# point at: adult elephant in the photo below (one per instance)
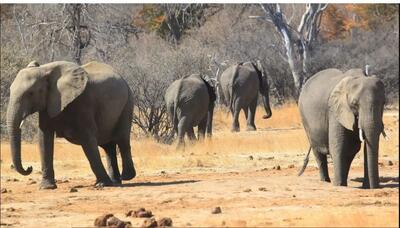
(190, 102)
(89, 105)
(339, 111)
(240, 85)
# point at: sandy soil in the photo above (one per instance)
(187, 186)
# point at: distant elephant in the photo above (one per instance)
(89, 105)
(239, 88)
(190, 102)
(339, 111)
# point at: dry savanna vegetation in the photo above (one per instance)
(234, 179)
(235, 171)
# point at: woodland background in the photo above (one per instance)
(152, 45)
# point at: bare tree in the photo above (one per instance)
(297, 42)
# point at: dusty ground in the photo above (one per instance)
(233, 171)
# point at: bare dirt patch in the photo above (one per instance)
(188, 186)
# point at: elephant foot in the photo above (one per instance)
(251, 128)
(235, 129)
(48, 184)
(128, 175)
(116, 181)
(340, 183)
(103, 183)
(326, 179)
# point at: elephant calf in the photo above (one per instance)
(190, 102)
(89, 105)
(339, 111)
(240, 85)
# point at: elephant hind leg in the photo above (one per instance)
(201, 131)
(236, 112)
(128, 169)
(322, 163)
(112, 163)
(92, 153)
(251, 126)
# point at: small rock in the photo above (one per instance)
(139, 213)
(163, 172)
(102, 220)
(73, 190)
(263, 189)
(294, 196)
(117, 223)
(216, 210)
(188, 224)
(390, 163)
(288, 189)
(78, 186)
(62, 181)
(264, 169)
(291, 166)
(31, 182)
(149, 223)
(278, 167)
(164, 222)
(247, 190)
(12, 166)
(3, 190)
(10, 209)
(251, 157)
(380, 163)
(12, 180)
(166, 201)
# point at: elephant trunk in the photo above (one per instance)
(372, 126)
(371, 150)
(265, 98)
(14, 119)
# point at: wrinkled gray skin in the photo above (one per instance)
(239, 86)
(89, 105)
(333, 107)
(190, 102)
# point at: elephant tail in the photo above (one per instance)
(305, 162)
(235, 75)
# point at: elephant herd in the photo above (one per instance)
(91, 105)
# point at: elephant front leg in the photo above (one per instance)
(92, 153)
(46, 145)
(343, 147)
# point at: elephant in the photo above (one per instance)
(239, 85)
(89, 105)
(190, 102)
(339, 111)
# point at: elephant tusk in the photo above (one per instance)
(361, 135)
(22, 123)
(384, 135)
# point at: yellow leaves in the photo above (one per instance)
(339, 21)
(149, 18)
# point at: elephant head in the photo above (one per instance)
(48, 88)
(357, 103)
(264, 87)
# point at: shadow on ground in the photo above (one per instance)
(385, 182)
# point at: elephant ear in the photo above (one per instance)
(65, 86)
(339, 105)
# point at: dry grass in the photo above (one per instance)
(278, 136)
